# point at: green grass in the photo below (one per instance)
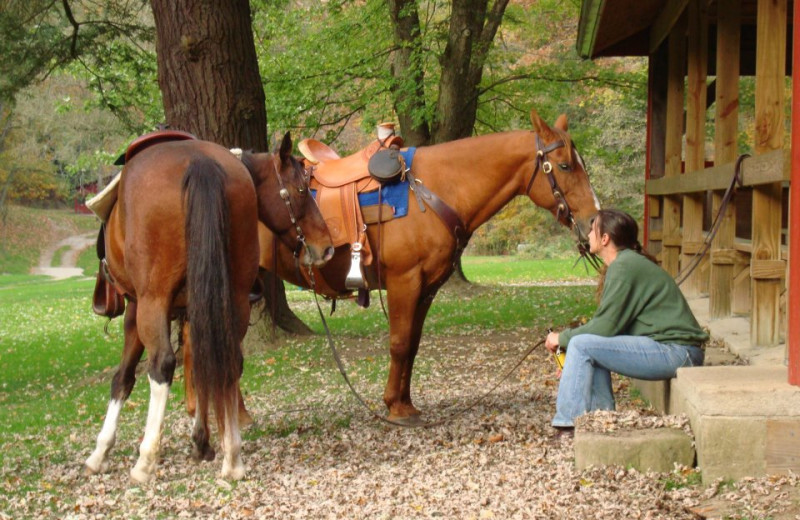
(515, 270)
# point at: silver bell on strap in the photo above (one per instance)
(355, 276)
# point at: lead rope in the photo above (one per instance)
(372, 412)
(726, 198)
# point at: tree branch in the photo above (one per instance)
(73, 49)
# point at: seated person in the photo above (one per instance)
(643, 327)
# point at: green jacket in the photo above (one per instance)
(641, 299)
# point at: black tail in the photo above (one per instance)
(217, 356)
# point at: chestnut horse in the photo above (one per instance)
(476, 177)
(182, 240)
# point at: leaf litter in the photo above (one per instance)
(327, 457)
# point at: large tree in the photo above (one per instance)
(208, 71)
(210, 83)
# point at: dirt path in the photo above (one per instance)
(69, 258)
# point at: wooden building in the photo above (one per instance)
(698, 51)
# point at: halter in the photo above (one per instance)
(562, 208)
(284, 193)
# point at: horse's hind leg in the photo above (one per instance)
(245, 419)
(121, 387)
(153, 326)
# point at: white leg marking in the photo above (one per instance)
(232, 466)
(148, 450)
(96, 463)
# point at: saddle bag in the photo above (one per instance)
(386, 165)
(106, 301)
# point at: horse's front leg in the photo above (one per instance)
(121, 387)
(404, 334)
(153, 327)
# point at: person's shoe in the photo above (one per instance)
(564, 433)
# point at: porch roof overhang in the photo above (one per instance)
(638, 27)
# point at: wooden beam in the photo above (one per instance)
(793, 283)
(771, 22)
(697, 69)
(761, 169)
(674, 137)
(726, 129)
(665, 22)
(657, 71)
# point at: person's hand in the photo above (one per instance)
(551, 342)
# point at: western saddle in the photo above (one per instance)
(338, 181)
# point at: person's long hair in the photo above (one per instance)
(623, 230)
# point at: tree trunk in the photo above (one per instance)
(473, 27)
(208, 71)
(209, 79)
(472, 30)
(408, 88)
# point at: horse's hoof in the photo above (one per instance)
(206, 454)
(88, 470)
(233, 473)
(411, 420)
(139, 476)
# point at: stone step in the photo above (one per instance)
(646, 450)
(745, 419)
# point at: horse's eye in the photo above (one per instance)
(565, 166)
(301, 189)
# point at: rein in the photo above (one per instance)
(383, 419)
(726, 198)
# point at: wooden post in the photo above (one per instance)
(692, 243)
(656, 132)
(764, 270)
(793, 298)
(725, 151)
(670, 257)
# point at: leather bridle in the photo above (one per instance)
(562, 207)
(284, 194)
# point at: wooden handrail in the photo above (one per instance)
(761, 169)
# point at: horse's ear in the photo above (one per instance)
(286, 147)
(539, 125)
(561, 123)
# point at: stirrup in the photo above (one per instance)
(355, 277)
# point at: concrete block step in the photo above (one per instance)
(746, 419)
(646, 450)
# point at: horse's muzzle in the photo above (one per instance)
(316, 258)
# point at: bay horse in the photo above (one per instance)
(476, 177)
(182, 241)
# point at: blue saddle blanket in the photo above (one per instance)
(394, 194)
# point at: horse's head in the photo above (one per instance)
(563, 183)
(286, 206)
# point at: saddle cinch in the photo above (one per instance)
(338, 181)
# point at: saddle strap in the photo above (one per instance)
(447, 214)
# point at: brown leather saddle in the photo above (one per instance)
(108, 299)
(338, 182)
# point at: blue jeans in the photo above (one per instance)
(586, 379)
